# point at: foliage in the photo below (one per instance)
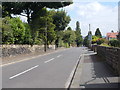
(100, 41)
(98, 33)
(29, 8)
(94, 39)
(69, 37)
(69, 28)
(105, 44)
(7, 32)
(18, 30)
(114, 43)
(28, 36)
(61, 20)
(79, 39)
(86, 41)
(43, 27)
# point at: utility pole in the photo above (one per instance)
(45, 37)
(90, 36)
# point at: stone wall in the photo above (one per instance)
(110, 54)
(12, 50)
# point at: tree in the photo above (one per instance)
(18, 30)
(7, 32)
(29, 9)
(43, 27)
(28, 36)
(61, 20)
(69, 37)
(98, 33)
(79, 39)
(69, 28)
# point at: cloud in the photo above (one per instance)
(97, 14)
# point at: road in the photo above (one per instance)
(48, 71)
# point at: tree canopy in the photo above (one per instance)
(78, 34)
(98, 33)
(28, 9)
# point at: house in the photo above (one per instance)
(111, 35)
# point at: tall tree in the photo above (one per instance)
(61, 20)
(43, 27)
(78, 34)
(78, 27)
(98, 33)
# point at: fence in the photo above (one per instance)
(110, 54)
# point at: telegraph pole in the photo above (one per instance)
(45, 37)
(90, 35)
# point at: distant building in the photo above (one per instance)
(111, 35)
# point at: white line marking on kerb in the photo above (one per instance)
(49, 60)
(59, 56)
(24, 72)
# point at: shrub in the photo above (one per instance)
(100, 41)
(114, 43)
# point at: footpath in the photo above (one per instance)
(93, 72)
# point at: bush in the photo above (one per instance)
(100, 41)
(114, 43)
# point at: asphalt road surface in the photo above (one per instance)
(48, 71)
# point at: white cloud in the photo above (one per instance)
(98, 15)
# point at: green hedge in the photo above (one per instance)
(114, 43)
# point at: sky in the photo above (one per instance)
(102, 15)
(98, 13)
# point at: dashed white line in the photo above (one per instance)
(49, 60)
(59, 56)
(23, 72)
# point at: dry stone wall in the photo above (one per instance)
(110, 54)
(12, 50)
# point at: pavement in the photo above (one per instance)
(53, 70)
(93, 72)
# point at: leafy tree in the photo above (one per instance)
(69, 37)
(7, 32)
(61, 20)
(18, 30)
(29, 9)
(98, 33)
(79, 39)
(28, 36)
(43, 27)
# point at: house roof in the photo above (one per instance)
(112, 35)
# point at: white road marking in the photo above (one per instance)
(49, 60)
(23, 72)
(32, 57)
(59, 56)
